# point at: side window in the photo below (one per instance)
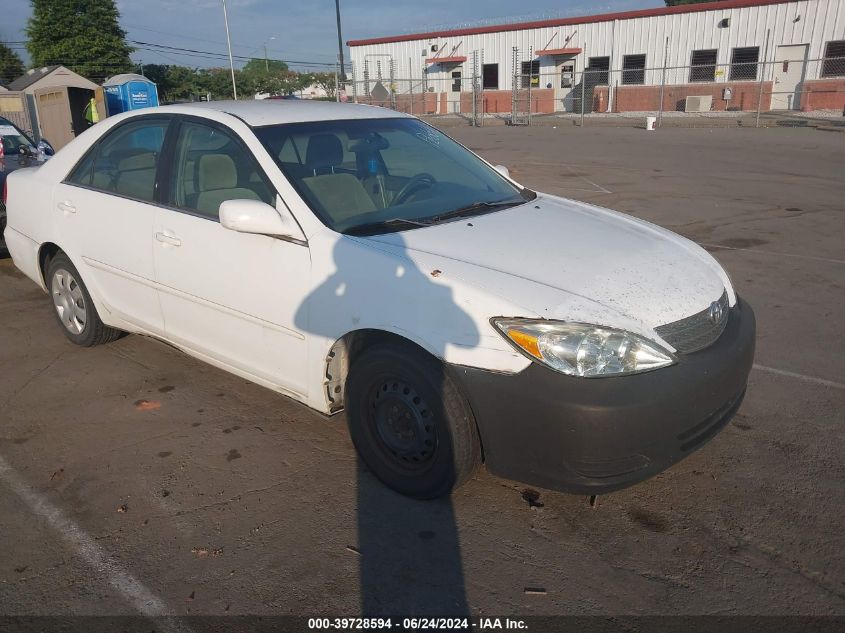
(210, 167)
(124, 162)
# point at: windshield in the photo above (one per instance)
(13, 140)
(368, 176)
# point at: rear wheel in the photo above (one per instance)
(409, 421)
(73, 306)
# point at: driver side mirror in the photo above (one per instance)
(254, 216)
(503, 170)
(48, 149)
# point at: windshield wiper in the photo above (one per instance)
(374, 227)
(474, 208)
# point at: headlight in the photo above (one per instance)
(578, 349)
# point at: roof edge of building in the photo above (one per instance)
(602, 17)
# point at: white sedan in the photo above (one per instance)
(356, 258)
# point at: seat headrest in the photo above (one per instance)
(324, 150)
(139, 160)
(216, 171)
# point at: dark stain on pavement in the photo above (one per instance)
(649, 520)
(166, 389)
(165, 454)
(532, 497)
(742, 242)
(233, 455)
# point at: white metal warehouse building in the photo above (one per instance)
(786, 54)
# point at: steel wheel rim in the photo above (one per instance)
(69, 301)
(402, 424)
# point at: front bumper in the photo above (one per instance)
(596, 435)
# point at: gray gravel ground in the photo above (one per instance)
(226, 498)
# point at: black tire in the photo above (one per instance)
(409, 421)
(91, 330)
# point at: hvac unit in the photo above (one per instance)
(698, 104)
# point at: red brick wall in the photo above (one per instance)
(644, 98)
(823, 94)
(498, 101)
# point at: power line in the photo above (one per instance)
(202, 39)
(214, 55)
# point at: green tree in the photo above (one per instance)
(11, 66)
(84, 35)
(326, 81)
(260, 75)
(218, 82)
(261, 66)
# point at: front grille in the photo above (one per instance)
(696, 332)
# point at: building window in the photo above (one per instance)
(744, 63)
(703, 66)
(599, 71)
(491, 77)
(633, 69)
(456, 81)
(834, 59)
(530, 73)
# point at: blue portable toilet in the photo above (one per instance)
(129, 92)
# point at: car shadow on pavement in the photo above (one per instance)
(410, 554)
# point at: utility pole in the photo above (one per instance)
(266, 63)
(229, 44)
(339, 42)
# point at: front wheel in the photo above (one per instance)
(73, 306)
(409, 421)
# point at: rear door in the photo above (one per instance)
(228, 296)
(107, 209)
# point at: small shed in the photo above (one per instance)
(56, 99)
(129, 92)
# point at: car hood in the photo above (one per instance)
(563, 259)
(11, 162)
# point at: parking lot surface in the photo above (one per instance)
(134, 479)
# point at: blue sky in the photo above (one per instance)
(303, 30)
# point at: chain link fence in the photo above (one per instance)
(745, 92)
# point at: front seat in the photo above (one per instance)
(324, 153)
(217, 181)
(341, 195)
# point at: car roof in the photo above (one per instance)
(260, 112)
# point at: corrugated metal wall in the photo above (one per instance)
(812, 22)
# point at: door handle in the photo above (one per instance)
(66, 206)
(168, 239)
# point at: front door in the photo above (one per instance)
(54, 116)
(230, 297)
(105, 210)
(788, 75)
(565, 86)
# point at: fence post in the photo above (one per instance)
(354, 85)
(583, 92)
(514, 87)
(762, 75)
(531, 78)
(411, 84)
(481, 91)
(663, 84)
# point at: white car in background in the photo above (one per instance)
(356, 258)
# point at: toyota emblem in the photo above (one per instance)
(715, 312)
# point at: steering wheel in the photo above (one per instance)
(420, 181)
